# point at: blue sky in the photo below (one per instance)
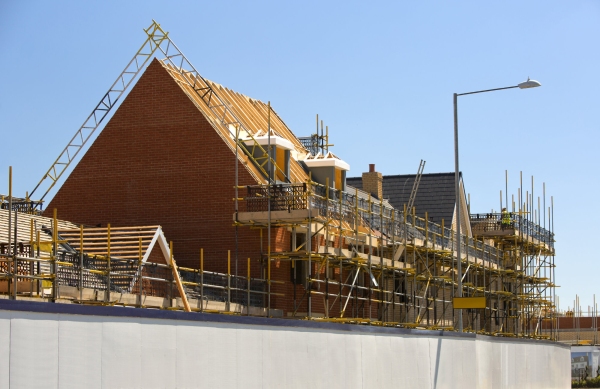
(381, 75)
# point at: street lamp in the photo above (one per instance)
(524, 85)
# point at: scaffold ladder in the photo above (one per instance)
(415, 188)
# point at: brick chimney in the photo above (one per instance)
(372, 182)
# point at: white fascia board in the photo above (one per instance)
(277, 141)
(164, 246)
(157, 234)
(151, 245)
(242, 133)
(326, 162)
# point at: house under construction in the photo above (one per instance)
(199, 198)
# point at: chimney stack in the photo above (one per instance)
(372, 182)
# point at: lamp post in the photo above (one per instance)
(524, 85)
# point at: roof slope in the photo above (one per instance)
(252, 113)
(365, 195)
(435, 195)
(24, 226)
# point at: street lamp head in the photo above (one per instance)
(529, 84)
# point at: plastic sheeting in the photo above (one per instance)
(54, 350)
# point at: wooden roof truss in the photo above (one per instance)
(120, 243)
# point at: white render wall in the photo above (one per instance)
(58, 350)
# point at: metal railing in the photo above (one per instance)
(357, 210)
(46, 274)
(311, 143)
(283, 197)
(491, 222)
(32, 207)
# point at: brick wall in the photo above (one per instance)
(372, 182)
(158, 161)
(573, 323)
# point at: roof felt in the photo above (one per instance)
(435, 195)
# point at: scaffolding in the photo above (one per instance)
(362, 261)
(353, 259)
(577, 326)
(53, 260)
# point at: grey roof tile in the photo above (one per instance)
(435, 195)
